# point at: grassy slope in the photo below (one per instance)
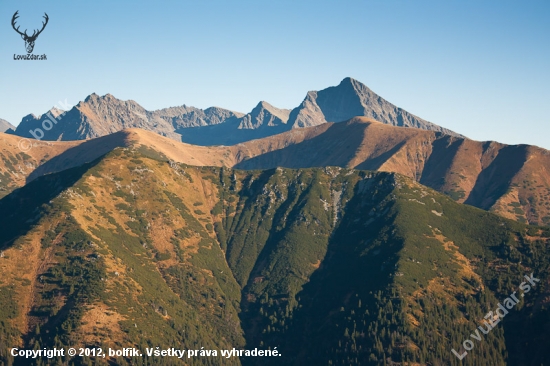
(332, 265)
(510, 180)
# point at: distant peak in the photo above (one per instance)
(31, 116)
(348, 80)
(312, 94)
(264, 105)
(352, 82)
(95, 96)
(92, 96)
(56, 111)
(356, 86)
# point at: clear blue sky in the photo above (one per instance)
(481, 68)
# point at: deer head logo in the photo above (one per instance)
(29, 40)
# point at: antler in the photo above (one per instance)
(15, 16)
(34, 35)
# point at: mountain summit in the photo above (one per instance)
(264, 114)
(350, 99)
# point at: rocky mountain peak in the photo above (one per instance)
(90, 97)
(264, 115)
(352, 98)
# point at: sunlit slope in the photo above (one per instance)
(330, 265)
(18, 159)
(512, 181)
(103, 259)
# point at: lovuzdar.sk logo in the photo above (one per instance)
(29, 40)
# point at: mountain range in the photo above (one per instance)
(342, 232)
(98, 116)
(511, 180)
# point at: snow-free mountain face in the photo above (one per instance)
(5, 125)
(350, 99)
(94, 117)
(101, 115)
(189, 117)
(264, 115)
